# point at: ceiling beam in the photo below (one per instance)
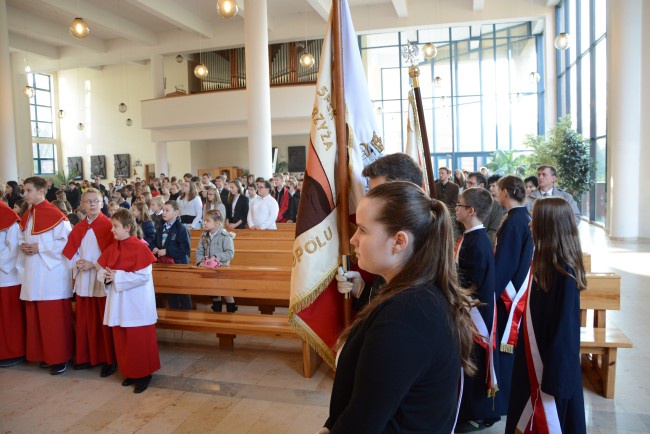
(479, 5)
(175, 14)
(322, 7)
(106, 19)
(23, 43)
(32, 26)
(401, 8)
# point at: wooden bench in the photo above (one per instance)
(263, 284)
(264, 248)
(598, 343)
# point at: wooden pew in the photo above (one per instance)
(271, 284)
(598, 343)
(264, 248)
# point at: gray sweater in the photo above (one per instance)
(220, 246)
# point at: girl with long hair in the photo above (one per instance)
(399, 364)
(190, 205)
(213, 201)
(237, 208)
(12, 192)
(547, 374)
(513, 256)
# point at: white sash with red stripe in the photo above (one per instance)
(487, 340)
(540, 413)
(515, 302)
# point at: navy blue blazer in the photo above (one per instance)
(178, 242)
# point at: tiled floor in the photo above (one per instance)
(258, 387)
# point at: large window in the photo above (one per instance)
(482, 92)
(42, 122)
(582, 88)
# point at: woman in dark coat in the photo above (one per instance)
(399, 364)
(551, 385)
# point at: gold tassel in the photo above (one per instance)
(507, 348)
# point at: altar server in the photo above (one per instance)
(47, 283)
(88, 239)
(12, 309)
(131, 302)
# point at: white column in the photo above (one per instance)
(158, 83)
(644, 160)
(624, 53)
(258, 90)
(8, 155)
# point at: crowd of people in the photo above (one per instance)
(97, 244)
(473, 311)
(470, 313)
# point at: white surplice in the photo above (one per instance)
(131, 301)
(9, 248)
(86, 283)
(47, 273)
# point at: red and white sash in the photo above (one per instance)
(487, 340)
(540, 413)
(515, 302)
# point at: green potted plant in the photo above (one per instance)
(566, 150)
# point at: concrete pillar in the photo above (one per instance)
(158, 90)
(644, 160)
(624, 79)
(8, 154)
(258, 90)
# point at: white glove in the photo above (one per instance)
(349, 282)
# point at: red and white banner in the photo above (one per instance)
(316, 307)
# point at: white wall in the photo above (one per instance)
(92, 97)
(209, 154)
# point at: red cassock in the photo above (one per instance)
(136, 347)
(12, 309)
(50, 325)
(94, 340)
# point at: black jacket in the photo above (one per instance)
(239, 213)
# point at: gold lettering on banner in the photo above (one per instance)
(319, 119)
(311, 246)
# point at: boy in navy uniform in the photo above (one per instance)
(476, 270)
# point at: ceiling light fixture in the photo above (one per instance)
(562, 41)
(122, 107)
(179, 59)
(79, 28)
(534, 77)
(429, 51)
(201, 71)
(307, 60)
(129, 122)
(29, 91)
(227, 8)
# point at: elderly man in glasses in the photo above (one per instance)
(88, 239)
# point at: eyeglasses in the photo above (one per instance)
(92, 202)
(464, 206)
